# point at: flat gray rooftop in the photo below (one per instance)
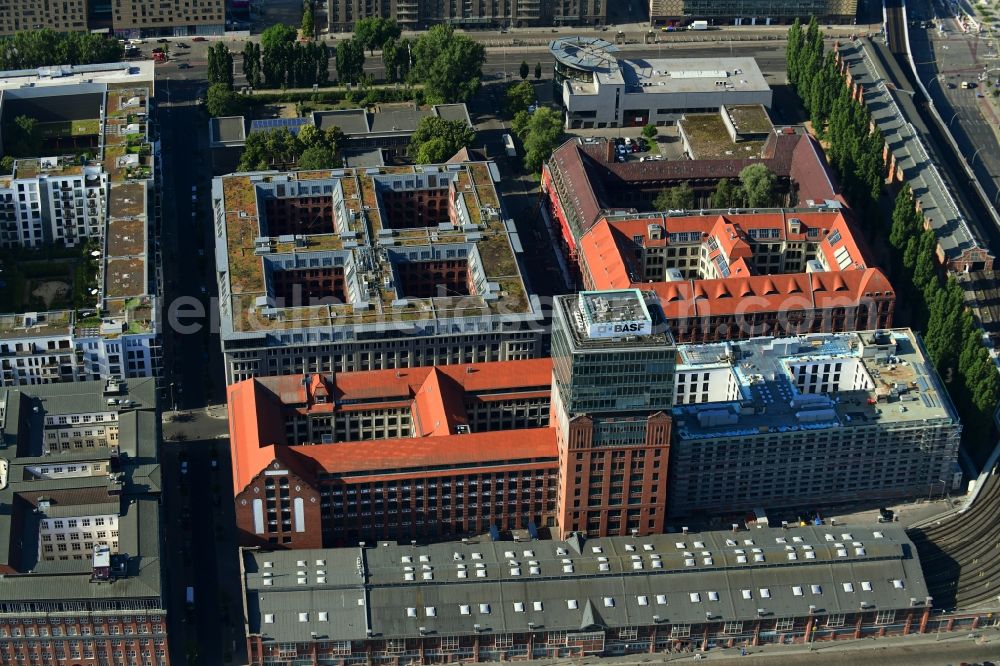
(448, 588)
(776, 384)
(895, 115)
(691, 75)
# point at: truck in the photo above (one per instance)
(189, 597)
(159, 57)
(508, 144)
(698, 25)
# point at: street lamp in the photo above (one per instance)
(975, 155)
(955, 115)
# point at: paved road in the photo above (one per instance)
(193, 359)
(200, 520)
(944, 62)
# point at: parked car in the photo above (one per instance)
(198, 39)
(182, 45)
(183, 65)
(635, 147)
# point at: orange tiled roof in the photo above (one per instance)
(607, 251)
(435, 394)
(392, 454)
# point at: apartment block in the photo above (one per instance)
(805, 421)
(420, 14)
(367, 269)
(126, 18)
(481, 600)
(80, 212)
(409, 453)
(79, 512)
(37, 14)
(750, 12)
(133, 18)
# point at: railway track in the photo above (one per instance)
(895, 28)
(960, 555)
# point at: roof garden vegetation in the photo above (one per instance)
(48, 278)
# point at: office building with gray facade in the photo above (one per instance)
(807, 421)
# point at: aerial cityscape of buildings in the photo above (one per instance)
(631, 366)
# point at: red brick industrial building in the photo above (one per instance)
(416, 452)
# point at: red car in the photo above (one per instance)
(198, 39)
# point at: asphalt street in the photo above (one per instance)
(199, 538)
(946, 60)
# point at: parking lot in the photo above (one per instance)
(666, 145)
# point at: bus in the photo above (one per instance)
(508, 144)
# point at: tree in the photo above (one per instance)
(903, 226)
(725, 195)
(220, 101)
(350, 61)
(28, 49)
(436, 139)
(251, 65)
(540, 133)
(649, 131)
(924, 269)
(220, 65)
(524, 69)
(538, 71)
(374, 31)
(758, 185)
(7, 165)
(520, 96)
(308, 22)
(21, 137)
(390, 57)
(276, 36)
(277, 51)
(680, 197)
(318, 157)
(449, 65)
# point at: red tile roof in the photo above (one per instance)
(435, 395)
(386, 456)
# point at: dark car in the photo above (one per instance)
(183, 65)
(182, 45)
(199, 39)
(643, 144)
(620, 141)
(635, 147)
(158, 50)
(162, 41)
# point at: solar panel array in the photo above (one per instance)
(291, 124)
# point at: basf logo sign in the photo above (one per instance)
(620, 329)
